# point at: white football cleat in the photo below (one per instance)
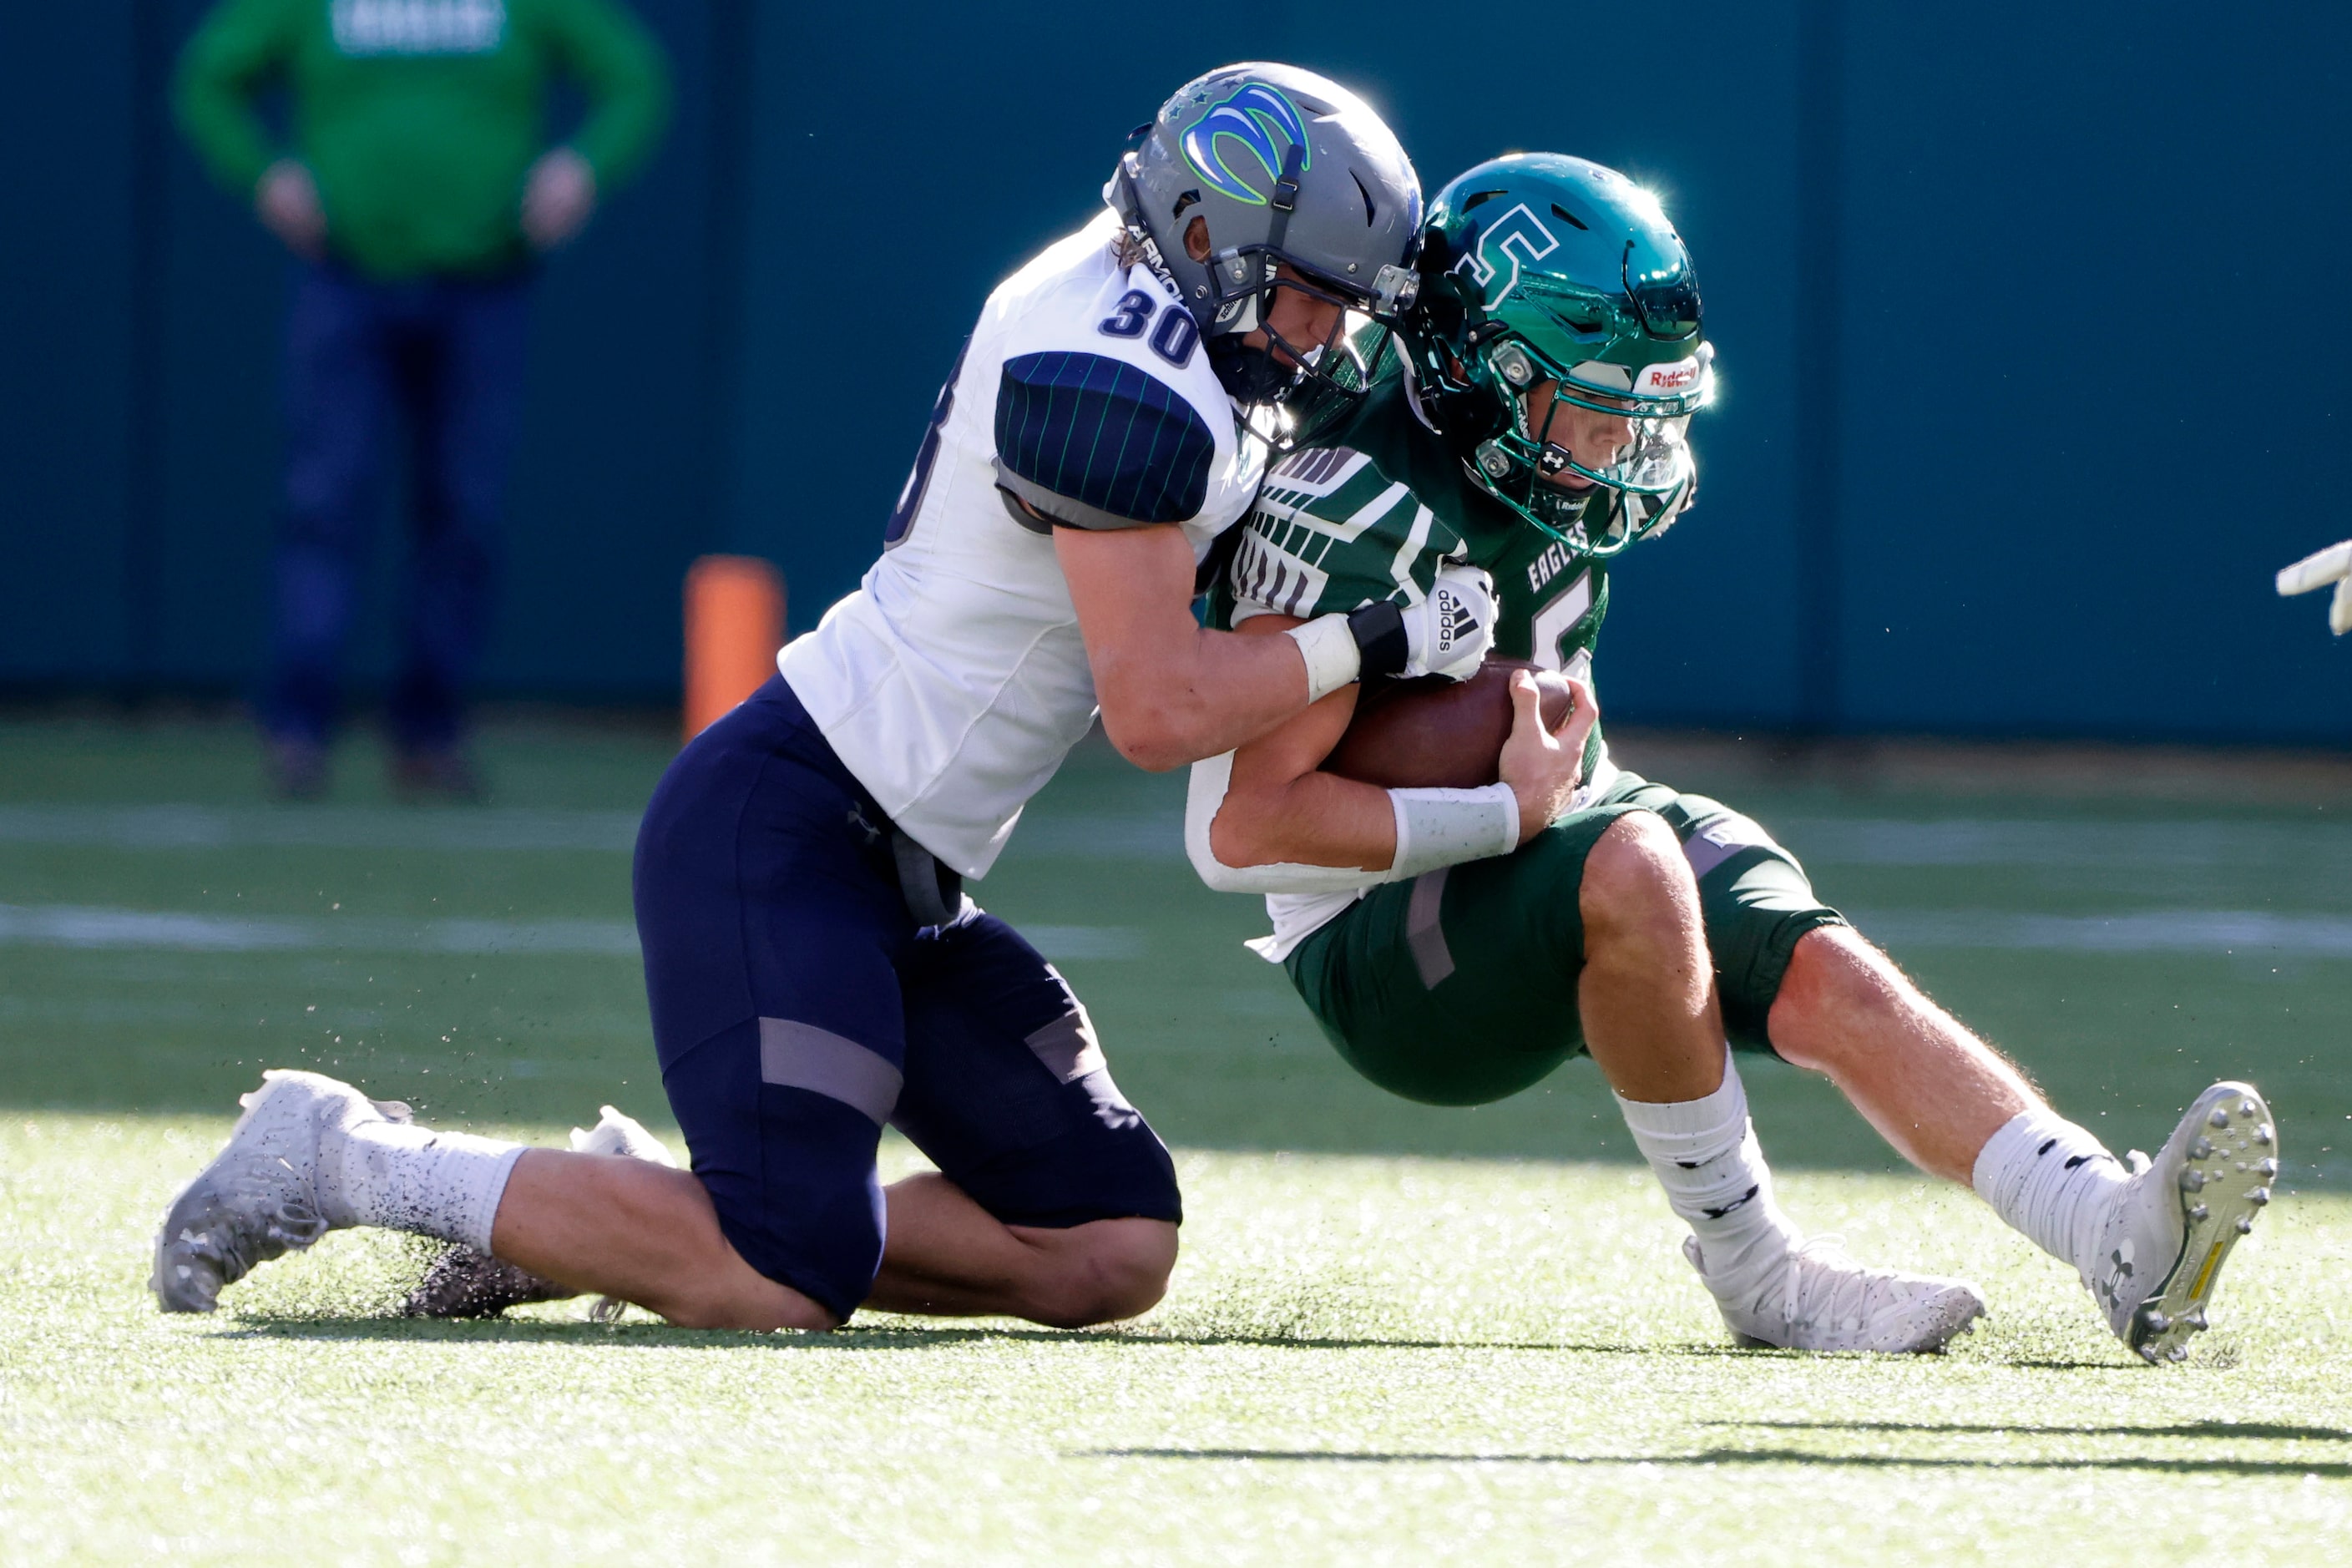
(259, 1198)
(465, 1283)
(2162, 1246)
(1818, 1299)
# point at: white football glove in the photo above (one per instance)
(2333, 564)
(1449, 632)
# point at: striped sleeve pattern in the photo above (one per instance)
(1331, 532)
(1097, 443)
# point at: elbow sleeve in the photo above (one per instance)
(1202, 798)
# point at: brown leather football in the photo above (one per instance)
(1435, 733)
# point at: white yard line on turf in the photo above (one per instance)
(1991, 841)
(2216, 931)
(1825, 840)
(89, 926)
(2242, 933)
(322, 827)
(1849, 841)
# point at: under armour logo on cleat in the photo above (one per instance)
(2111, 1289)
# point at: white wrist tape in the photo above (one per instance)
(1333, 659)
(1447, 826)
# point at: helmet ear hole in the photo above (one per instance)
(1196, 239)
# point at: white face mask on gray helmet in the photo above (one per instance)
(1259, 179)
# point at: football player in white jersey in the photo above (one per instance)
(814, 969)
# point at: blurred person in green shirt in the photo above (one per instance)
(419, 191)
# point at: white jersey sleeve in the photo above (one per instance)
(953, 681)
(1095, 425)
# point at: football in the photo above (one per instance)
(1435, 733)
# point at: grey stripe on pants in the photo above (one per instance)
(1423, 932)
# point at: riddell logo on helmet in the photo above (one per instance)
(1252, 116)
(1680, 376)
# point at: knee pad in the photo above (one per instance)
(789, 1169)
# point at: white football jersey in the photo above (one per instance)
(953, 681)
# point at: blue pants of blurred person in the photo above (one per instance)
(438, 362)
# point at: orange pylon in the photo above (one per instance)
(734, 624)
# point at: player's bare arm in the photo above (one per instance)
(1170, 691)
(1282, 806)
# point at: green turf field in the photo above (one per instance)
(1397, 1334)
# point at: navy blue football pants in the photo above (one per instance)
(437, 364)
(799, 1007)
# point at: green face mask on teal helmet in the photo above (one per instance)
(1557, 341)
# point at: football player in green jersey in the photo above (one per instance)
(1457, 945)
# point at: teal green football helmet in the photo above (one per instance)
(1557, 344)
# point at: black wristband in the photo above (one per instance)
(1381, 644)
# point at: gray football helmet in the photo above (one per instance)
(1259, 177)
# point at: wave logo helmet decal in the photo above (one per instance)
(1251, 117)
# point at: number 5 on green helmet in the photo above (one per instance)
(1557, 343)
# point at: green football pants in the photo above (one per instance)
(1459, 986)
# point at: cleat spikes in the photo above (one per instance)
(2162, 1244)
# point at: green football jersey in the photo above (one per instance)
(1374, 509)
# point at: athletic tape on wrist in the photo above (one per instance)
(1447, 826)
(1332, 658)
(1382, 645)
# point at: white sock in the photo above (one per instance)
(1706, 1156)
(2050, 1180)
(401, 1176)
